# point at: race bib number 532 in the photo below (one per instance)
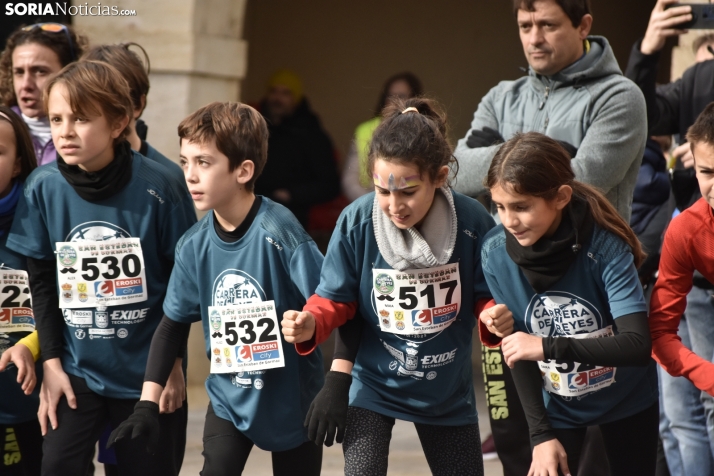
(245, 337)
(100, 273)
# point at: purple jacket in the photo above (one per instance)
(45, 154)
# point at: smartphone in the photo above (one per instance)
(702, 16)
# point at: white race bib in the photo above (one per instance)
(417, 301)
(100, 273)
(571, 379)
(245, 337)
(15, 302)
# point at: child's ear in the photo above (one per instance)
(563, 197)
(119, 126)
(441, 176)
(244, 172)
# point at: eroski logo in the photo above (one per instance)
(559, 313)
(234, 287)
(97, 231)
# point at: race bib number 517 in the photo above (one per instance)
(417, 301)
(245, 337)
(100, 273)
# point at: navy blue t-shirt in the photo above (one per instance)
(108, 347)
(275, 260)
(15, 406)
(600, 286)
(419, 378)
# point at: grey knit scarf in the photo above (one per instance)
(411, 248)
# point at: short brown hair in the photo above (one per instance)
(574, 9)
(56, 41)
(25, 151)
(239, 130)
(128, 64)
(703, 128)
(95, 89)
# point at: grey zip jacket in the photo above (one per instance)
(589, 104)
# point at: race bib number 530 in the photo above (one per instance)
(15, 302)
(245, 337)
(417, 301)
(100, 273)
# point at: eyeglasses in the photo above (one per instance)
(54, 28)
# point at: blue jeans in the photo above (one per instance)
(700, 321)
(683, 424)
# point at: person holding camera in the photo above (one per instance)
(687, 414)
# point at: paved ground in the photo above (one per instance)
(405, 456)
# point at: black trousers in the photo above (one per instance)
(226, 450)
(21, 446)
(630, 443)
(69, 449)
(510, 428)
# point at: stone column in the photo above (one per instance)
(197, 56)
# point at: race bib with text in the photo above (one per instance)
(572, 379)
(245, 337)
(417, 301)
(15, 302)
(100, 273)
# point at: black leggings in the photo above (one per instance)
(226, 450)
(21, 446)
(630, 443)
(449, 450)
(69, 449)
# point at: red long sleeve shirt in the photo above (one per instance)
(688, 245)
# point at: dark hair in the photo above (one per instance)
(24, 151)
(94, 88)
(56, 41)
(411, 137)
(534, 164)
(409, 78)
(574, 9)
(239, 130)
(703, 128)
(128, 64)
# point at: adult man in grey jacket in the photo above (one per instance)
(574, 92)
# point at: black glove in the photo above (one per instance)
(569, 148)
(486, 137)
(328, 411)
(144, 422)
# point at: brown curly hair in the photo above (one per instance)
(56, 41)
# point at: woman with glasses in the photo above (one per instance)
(32, 54)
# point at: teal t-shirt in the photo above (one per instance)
(15, 406)
(600, 286)
(423, 378)
(108, 346)
(275, 260)
(174, 169)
